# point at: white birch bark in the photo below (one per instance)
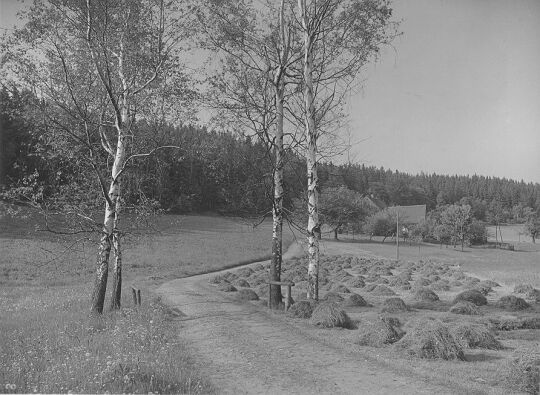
(313, 227)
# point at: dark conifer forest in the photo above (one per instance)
(222, 172)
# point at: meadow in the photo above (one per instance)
(50, 344)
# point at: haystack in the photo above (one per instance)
(383, 290)
(301, 309)
(247, 294)
(218, 280)
(398, 282)
(341, 289)
(523, 288)
(227, 287)
(475, 336)
(465, 308)
(356, 282)
(230, 276)
(329, 315)
(472, 296)
(425, 294)
(333, 297)
(512, 303)
(377, 333)
(534, 295)
(245, 272)
(370, 287)
(394, 305)
(242, 283)
(354, 300)
(431, 339)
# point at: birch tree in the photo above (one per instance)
(98, 65)
(259, 50)
(339, 38)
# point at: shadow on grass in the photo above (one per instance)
(482, 357)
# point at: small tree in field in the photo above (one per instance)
(532, 226)
(341, 206)
(382, 223)
(458, 220)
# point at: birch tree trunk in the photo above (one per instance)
(110, 233)
(277, 204)
(116, 294)
(313, 227)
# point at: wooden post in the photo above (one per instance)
(270, 296)
(287, 297)
(397, 235)
(136, 293)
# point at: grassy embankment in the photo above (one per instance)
(48, 342)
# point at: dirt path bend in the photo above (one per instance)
(242, 348)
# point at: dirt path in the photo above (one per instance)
(243, 348)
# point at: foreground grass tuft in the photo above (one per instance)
(58, 348)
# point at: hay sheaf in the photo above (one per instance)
(472, 296)
(377, 333)
(245, 272)
(383, 290)
(523, 373)
(523, 288)
(356, 282)
(394, 305)
(398, 282)
(475, 336)
(431, 339)
(425, 294)
(534, 295)
(465, 308)
(341, 289)
(355, 300)
(247, 294)
(370, 287)
(512, 303)
(329, 315)
(218, 280)
(301, 309)
(242, 283)
(333, 297)
(227, 287)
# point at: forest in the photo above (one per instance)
(221, 172)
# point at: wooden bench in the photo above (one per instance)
(288, 298)
(136, 296)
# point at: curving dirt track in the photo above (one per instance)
(243, 348)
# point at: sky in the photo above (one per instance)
(457, 93)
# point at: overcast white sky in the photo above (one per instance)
(458, 94)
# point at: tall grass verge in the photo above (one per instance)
(49, 344)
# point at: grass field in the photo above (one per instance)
(511, 267)
(48, 342)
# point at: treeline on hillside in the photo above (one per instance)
(206, 170)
